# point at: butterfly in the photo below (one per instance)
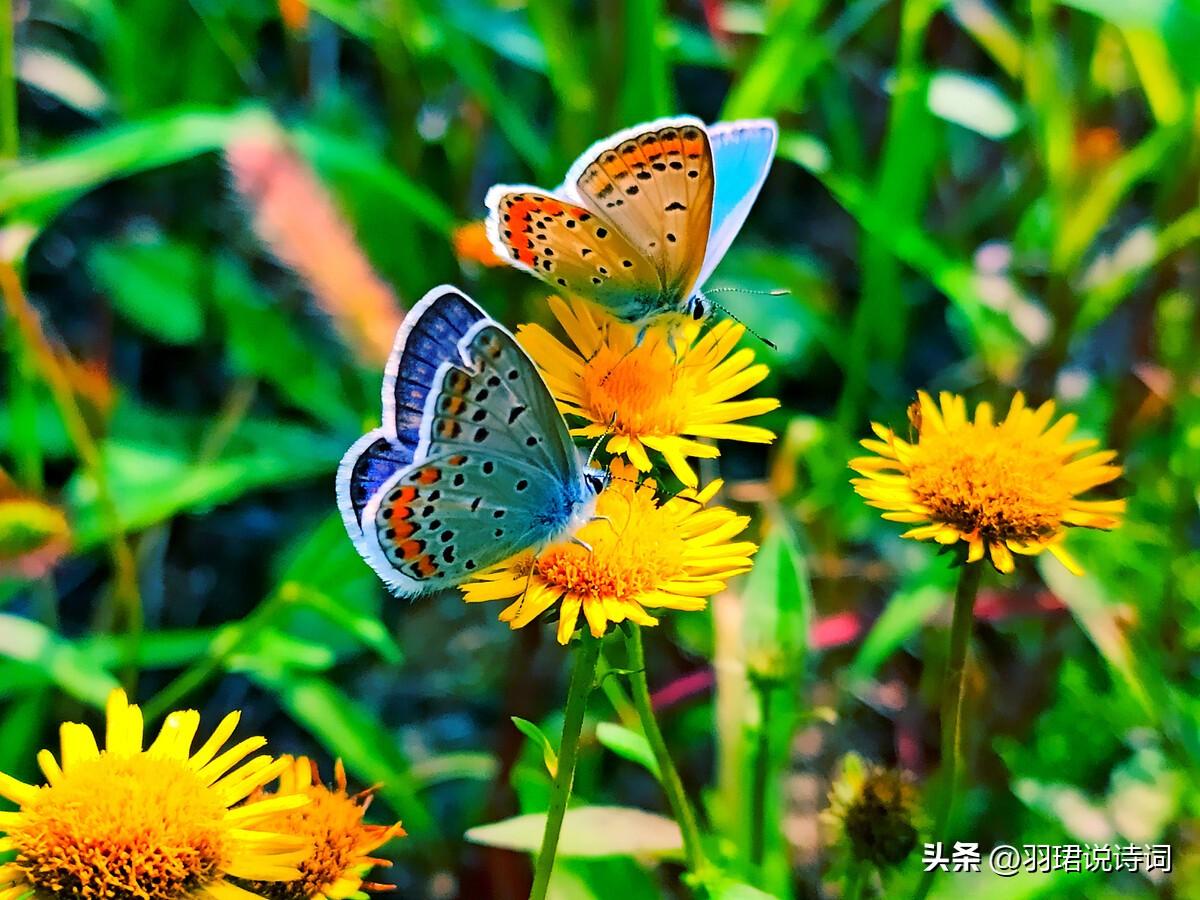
(472, 463)
(643, 217)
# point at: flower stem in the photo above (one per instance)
(762, 768)
(953, 691)
(8, 84)
(856, 879)
(586, 657)
(672, 784)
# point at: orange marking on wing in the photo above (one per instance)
(456, 405)
(457, 460)
(519, 219)
(426, 566)
(404, 529)
(429, 475)
(411, 549)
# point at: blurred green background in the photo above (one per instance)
(968, 195)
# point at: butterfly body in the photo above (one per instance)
(642, 218)
(473, 462)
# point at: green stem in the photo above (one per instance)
(953, 692)
(672, 784)
(762, 769)
(856, 880)
(9, 136)
(586, 657)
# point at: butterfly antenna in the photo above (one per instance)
(612, 424)
(775, 293)
(668, 495)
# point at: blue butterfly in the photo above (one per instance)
(473, 462)
(643, 217)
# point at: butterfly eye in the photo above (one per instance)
(698, 308)
(597, 481)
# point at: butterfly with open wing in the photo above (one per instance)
(643, 217)
(472, 463)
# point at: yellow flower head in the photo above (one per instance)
(873, 811)
(650, 397)
(638, 555)
(1007, 487)
(333, 822)
(153, 824)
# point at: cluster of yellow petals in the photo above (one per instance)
(1002, 487)
(332, 820)
(636, 554)
(664, 394)
(158, 823)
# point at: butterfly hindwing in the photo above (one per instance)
(742, 154)
(455, 514)
(566, 245)
(656, 185)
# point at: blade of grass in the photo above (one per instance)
(990, 332)
(126, 592)
(900, 190)
(352, 733)
(9, 135)
(576, 96)
(58, 660)
(646, 91)
(782, 65)
(82, 164)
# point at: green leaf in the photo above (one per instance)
(782, 65)
(156, 286)
(973, 103)
(82, 164)
(357, 162)
(56, 659)
(264, 342)
(535, 734)
(354, 734)
(151, 482)
(588, 831)
(628, 744)
(905, 614)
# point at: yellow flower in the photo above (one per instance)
(638, 555)
(153, 824)
(333, 822)
(650, 397)
(873, 812)
(1006, 488)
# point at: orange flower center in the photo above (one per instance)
(978, 479)
(334, 824)
(635, 551)
(122, 828)
(640, 387)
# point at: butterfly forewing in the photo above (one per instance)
(657, 189)
(568, 246)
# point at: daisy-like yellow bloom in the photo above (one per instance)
(639, 555)
(159, 823)
(1003, 488)
(650, 397)
(341, 841)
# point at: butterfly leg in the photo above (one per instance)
(584, 544)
